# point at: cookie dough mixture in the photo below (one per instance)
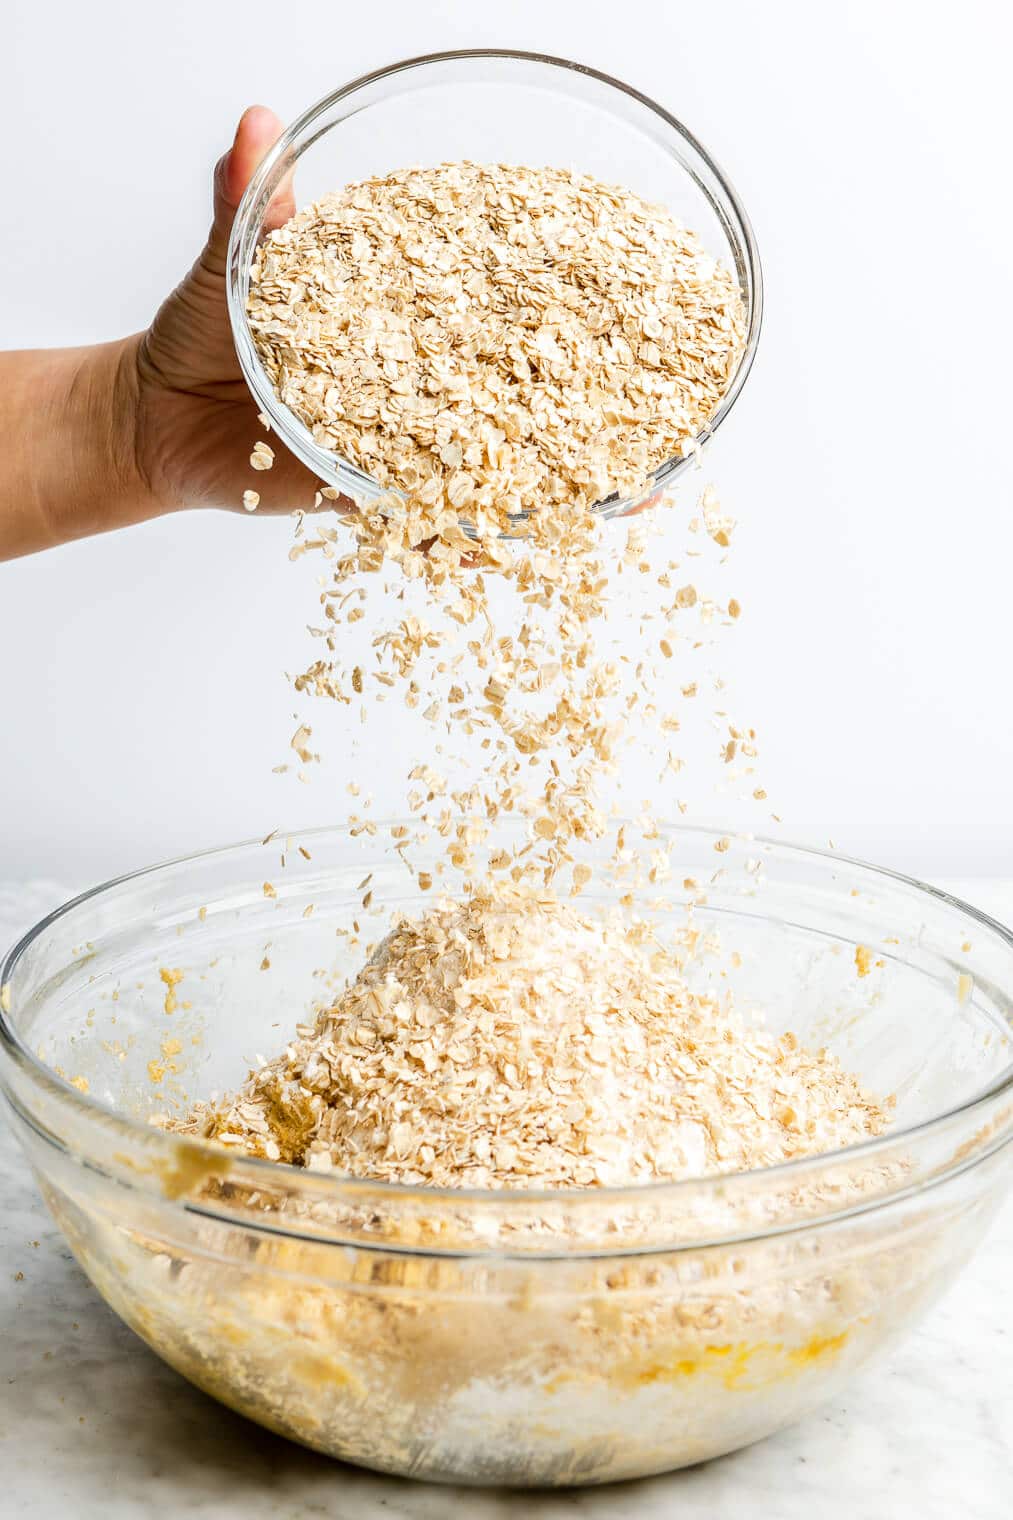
(492, 1047)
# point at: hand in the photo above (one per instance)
(195, 421)
(103, 437)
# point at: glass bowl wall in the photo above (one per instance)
(568, 1337)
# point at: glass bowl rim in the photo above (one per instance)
(294, 433)
(40, 1075)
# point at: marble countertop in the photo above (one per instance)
(94, 1426)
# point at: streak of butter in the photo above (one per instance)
(818, 1348)
(190, 1166)
(321, 1371)
(734, 1364)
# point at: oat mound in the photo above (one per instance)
(512, 1041)
(496, 339)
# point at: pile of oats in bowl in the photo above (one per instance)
(510, 1041)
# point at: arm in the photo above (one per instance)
(104, 437)
(68, 466)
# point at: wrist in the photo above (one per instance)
(96, 416)
(72, 466)
(109, 387)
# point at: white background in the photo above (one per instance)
(143, 696)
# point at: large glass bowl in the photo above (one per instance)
(552, 1338)
(501, 107)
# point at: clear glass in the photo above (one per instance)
(492, 106)
(488, 1337)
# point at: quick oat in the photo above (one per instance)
(492, 340)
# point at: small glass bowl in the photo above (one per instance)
(503, 107)
(574, 1336)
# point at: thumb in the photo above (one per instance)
(258, 130)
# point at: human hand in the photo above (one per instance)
(109, 435)
(195, 422)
